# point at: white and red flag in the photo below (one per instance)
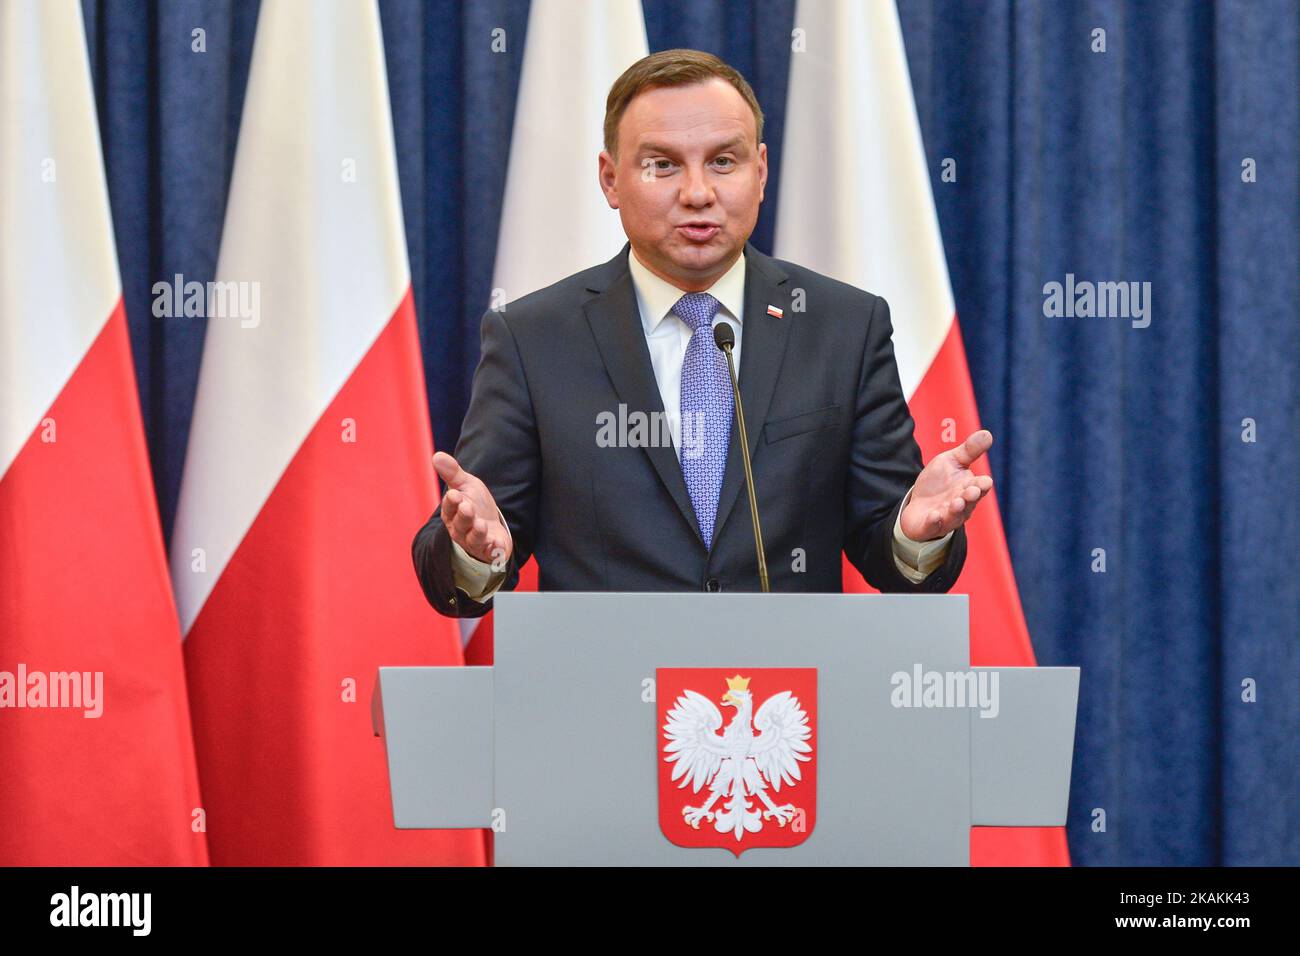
(308, 468)
(856, 204)
(95, 748)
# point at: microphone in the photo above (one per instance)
(724, 337)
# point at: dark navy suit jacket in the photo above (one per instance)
(830, 436)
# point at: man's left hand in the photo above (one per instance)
(946, 491)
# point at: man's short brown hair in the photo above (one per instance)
(671, 68)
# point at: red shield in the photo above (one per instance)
(736, 750)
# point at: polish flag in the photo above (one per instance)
(98, 761)
(308, 466)
(573, 54)
(855, 203)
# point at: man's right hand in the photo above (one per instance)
(470, 514)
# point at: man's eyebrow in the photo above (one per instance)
(651, 147)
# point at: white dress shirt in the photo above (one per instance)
(667, 337)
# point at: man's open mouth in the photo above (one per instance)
(699, 231)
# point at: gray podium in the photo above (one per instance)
(555, 746)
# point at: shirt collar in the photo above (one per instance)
(656, 297)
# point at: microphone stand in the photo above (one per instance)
(726, 340)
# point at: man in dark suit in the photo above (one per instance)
(600, 434)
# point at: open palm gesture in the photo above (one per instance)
(946, 492)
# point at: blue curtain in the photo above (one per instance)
(1114, 442)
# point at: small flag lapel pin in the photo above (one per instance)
(774, 312)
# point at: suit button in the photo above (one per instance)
(713, 584)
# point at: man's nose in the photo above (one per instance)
(696, 190)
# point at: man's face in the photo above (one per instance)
(688, 180)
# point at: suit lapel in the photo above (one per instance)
(615, 321)
(762, 348)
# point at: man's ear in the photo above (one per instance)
(762, 169)
(607, 175)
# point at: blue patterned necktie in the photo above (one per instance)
(706, 410)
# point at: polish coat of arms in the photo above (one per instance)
(752, 783)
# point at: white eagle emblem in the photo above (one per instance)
(737, 764)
